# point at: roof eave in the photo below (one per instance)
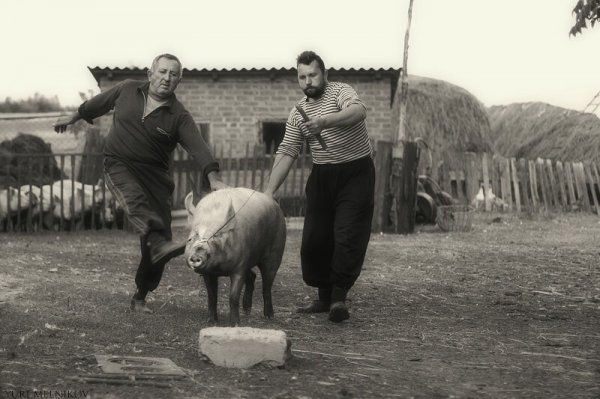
(110, 73)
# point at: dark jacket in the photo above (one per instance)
(151, 139)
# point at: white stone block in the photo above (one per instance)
(243, 347)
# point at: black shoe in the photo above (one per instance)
(339, 312)
(317, 306)
(163, 251)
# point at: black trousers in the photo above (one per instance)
(337, 224)
(145, 193)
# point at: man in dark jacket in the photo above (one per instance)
(148, 123)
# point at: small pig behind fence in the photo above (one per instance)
(233, 230)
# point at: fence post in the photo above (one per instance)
(406, 190)
(383, 169)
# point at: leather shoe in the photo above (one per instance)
(163, 251)
(316, 306)
(339, 312)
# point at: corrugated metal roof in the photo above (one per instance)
(99, 72)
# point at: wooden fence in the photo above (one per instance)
(250, 171)
(26, 171)
(522, 185)
(519, 185)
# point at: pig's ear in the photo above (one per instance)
(230, 217)
(189, 204)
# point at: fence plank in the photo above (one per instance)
(516, 184)
(560, 174)
(229, 163)
(552, 184)
(533, 186)
(590, 190)
(596, 178)
(472, 175)
(582, 195)
(495, 171)
(486, 183)
(570, 185)
(526, 202)
(505, 182)
(543, 184)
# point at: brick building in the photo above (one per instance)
(234, 107)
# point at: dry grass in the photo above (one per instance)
(533, 130)
(447, 117)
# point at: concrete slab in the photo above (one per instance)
(244, 347)
(128, 365)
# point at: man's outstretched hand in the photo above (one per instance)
(62, 123)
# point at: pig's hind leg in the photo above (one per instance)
(248, 291)
(268, 269)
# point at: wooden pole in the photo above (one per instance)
(405, 154)
(403, 135)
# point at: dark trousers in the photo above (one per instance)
(337, 225)
(145, 193)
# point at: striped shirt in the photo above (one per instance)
(344, 143)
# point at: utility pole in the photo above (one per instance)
(405, 156)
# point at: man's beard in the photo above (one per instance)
(314, 92)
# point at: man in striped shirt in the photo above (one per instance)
(340, 188)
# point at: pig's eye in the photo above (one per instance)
(192, 237)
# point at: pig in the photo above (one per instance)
(79, 202)
(44, 204)
(14, 208)
(233, 230)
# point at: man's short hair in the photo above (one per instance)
(306, 57)
(169, 57)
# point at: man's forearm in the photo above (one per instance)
(281, 168)
(348, 116)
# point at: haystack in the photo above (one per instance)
(16, 171)
(532, 130)
(447, 117)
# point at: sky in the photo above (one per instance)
(500, 51)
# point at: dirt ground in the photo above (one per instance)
(508, 310)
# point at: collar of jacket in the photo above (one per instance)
(143, 88)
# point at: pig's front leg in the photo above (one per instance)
(237, 283)
(212, 288)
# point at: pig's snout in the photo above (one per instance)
(197, 259)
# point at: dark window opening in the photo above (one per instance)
(272, 135)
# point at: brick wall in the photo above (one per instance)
(235, 106)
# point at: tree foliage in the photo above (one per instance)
(37, 103)
(586, 11)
